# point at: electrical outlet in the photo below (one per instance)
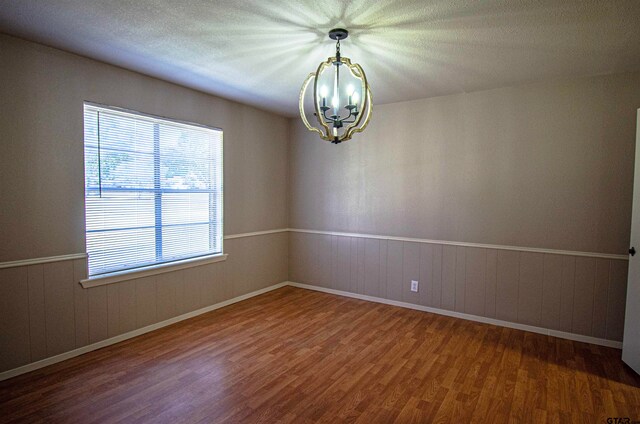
(414, 286)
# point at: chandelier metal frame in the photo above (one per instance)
(356, 120)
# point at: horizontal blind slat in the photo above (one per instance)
(153, 190)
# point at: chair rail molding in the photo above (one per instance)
(465, 244)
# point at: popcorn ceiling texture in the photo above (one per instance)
(259, 52)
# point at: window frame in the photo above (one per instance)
(165, 266)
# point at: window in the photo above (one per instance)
(153, 190)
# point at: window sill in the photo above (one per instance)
(116, 277)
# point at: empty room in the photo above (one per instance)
(268, 211)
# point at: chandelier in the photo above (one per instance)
(341, 99)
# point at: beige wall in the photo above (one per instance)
(43, 309)
(567, 293)
(45, 312)
(41, 146)
(546, 165)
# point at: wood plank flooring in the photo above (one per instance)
(299, 356)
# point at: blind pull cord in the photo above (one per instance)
(99, 159)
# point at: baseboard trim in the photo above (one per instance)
(469, 317)
(131, 334)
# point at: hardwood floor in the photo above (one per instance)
(299, 356)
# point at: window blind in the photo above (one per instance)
(153, 190)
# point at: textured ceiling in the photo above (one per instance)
(259, 51)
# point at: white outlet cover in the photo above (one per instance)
(414, 286)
